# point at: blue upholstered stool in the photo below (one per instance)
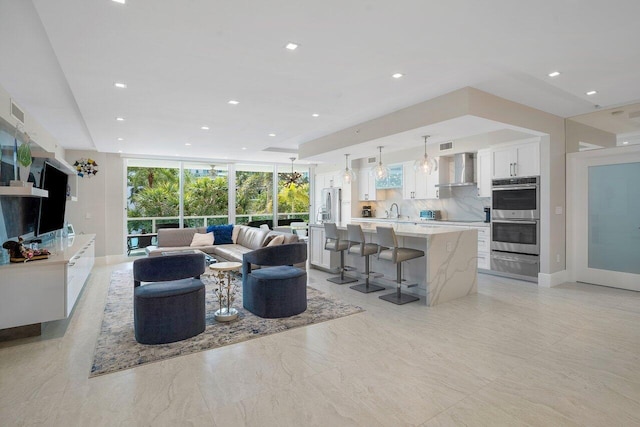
(172, 308)
(279, 289)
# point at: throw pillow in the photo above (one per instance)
(277, 240)
(221, 234)
(234, 234)
(200, 239)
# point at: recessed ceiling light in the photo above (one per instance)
(272, 134)
(119, 151)
(120, 85)
(120, 1)
(187, 144)
(592, 92)
(244, 148)
(397, 75)
(625, 142)
(120, 139)
(120, 119)
(234, 102)
(554, 74)
(291, 46)
(315, 115)
(204, 127)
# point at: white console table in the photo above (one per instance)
(46, 290)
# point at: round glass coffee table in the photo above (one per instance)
(226, 290)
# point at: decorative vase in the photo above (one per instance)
(24, 172)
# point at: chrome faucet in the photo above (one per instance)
(391, 211)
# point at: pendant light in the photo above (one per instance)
(293, 179)
(348, 176)
(380, 171)
(425, 164)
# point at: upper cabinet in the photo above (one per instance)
(393, 179)
(517, 159)
(435, 178)
(414, 184)
(483, 170)
(367, 186)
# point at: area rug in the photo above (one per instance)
(117, 349)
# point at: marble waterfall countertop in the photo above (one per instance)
(428, 222)
(447, 271)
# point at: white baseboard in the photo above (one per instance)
(553, 279)
(112, 259)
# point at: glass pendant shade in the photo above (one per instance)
(425, 164)
(348, 176)
(380, 171)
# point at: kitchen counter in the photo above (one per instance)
(447, 271)
(435, 223)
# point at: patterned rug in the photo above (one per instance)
(117, 349)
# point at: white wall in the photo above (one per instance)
(100, 208)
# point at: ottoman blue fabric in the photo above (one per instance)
(172, 307)
(279, 289)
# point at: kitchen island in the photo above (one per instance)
(446, 272)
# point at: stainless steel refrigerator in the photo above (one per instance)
(330, 205)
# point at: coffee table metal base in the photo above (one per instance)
(223, 315)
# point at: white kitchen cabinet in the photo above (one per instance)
(441, 176)
(414, 184)
(367, 186)
(483, 169)
(318, 256)
(515, 159)
(484, 247)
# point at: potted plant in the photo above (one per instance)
(24, 160)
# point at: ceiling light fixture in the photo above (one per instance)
(120, 85)
(293, 179)
(291, 46)
(348, 176)
(625, 142)
(244, 148)
(119, 1)
(554, 74)
(234, 102)
(204, 127)
(315, 115)
(272, 134)
(592, 92)
(397, 75)
(187, 144)
(120, 139)
(380, 171)
(425, 164)
(120, 119)
(119, 151)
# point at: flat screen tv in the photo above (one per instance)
(52, 208)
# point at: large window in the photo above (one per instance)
(206, 195)
(293, 194)
(254, 193)
(153, 195)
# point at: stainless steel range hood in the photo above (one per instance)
(463, 173)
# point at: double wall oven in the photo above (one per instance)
(515, 227)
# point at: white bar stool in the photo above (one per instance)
(362, 248)
(395, 254)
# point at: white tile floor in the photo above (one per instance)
(513, 354)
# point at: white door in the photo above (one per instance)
(604, 196)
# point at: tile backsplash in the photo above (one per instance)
(463, 203)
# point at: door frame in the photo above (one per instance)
(577, 221)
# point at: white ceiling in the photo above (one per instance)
(183, 60)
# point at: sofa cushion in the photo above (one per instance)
(230, 252)
(274, 240)
(169, 288)
(252, 237)
(288, 237)
(221, 234)
(280, 272)
(158, 250)
(200, 239)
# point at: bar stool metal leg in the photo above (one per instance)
(341, 279)
(398, 297)
(366, 287)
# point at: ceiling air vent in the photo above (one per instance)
(446, 146)
(16, 112)
(371, 160)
